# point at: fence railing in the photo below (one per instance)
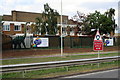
(43, 65)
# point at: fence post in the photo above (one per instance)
(23, 74)
(67, 68)
(70, 42)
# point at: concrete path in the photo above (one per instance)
(57, 55)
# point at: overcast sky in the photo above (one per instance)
(70, 7)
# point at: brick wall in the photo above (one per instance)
(64, 18)
(27, 17)
(7, 18)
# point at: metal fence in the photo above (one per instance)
(78, 42)
(68, 42)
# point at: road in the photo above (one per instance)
(102, 75)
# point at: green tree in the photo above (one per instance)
(47, 24)
(49, 16)
(68, 30)
(97, 20)
(110, 14)
(32, 28)
(1, 24)
(38, 27)
(91, 22)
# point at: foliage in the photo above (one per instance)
(47, 24)
(32, 28)
(76, 30)
(104, 22)
(68, 30)
(1, 24)
(38, 27)
(50, 19)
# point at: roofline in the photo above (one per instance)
(24, 11)
(32, 12)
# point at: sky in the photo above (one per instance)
(69, 7)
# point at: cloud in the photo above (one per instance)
(70, 7)
(98, 5)
(100, 0)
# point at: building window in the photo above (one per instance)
(6, 27)
(17, 28)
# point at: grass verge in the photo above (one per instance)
(61, 71)
(59, 58)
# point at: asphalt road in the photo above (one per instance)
(102, 75)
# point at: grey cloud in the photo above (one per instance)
(98, 5)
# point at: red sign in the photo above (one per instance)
(98, 46)
(98, 43)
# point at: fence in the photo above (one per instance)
(6, 44)
(68, 42)
(78, 42)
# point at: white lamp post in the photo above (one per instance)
(61, 32)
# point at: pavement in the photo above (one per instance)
(58, 55)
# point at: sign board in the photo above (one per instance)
(98, 46)
(40, 42)
(97, 37)
(109, 42)
(98, 43)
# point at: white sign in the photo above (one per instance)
(97, 37)
(109, 42)
(98, 43)
(40, 42)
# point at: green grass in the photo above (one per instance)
(69, 57)
(61, 70)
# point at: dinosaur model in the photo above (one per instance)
(17, 41)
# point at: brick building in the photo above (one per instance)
(12, 27)
(15, 22)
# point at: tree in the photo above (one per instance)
(49, 16)
(91, 22)
(1, 24)
(76, 30)
(47, 24)
(32, 28)
(110, 14)
(68, 30)
(97, 20)
(39, 28)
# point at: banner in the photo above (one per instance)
(109, 42)
(40, 42)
